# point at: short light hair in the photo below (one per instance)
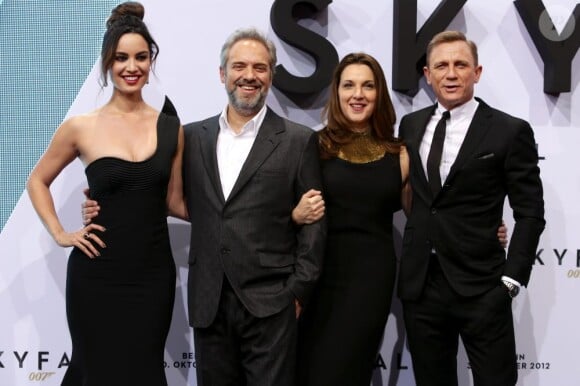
(450, 37)
(248, 34)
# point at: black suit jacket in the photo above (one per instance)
(498, 158)
(250, 237)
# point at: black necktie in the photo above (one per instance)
(434, 158)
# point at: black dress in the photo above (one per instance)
(342, 326)
(119, 304)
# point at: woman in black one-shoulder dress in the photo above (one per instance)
(121, 274)
(119, 304)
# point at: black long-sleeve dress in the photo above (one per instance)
(341, 328)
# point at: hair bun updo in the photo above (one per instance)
(126, 10)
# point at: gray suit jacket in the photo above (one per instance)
(250, 237)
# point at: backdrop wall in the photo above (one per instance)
(49, 53)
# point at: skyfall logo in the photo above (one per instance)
(561, 257)
(40, 360)
(566, 259)
(557, 50)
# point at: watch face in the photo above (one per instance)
(512, 289)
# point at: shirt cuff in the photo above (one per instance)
(510, 280)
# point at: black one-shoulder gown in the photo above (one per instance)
(119, 304)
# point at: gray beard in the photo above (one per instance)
(246, 108)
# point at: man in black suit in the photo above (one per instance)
(455, 279)
(250, 268)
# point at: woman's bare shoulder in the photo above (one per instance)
(80, 121)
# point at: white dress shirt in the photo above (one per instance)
(455, 131)
(233, 148)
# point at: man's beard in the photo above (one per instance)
(247, 107)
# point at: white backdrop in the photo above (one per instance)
(34, 340)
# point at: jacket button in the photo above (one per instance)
(433, 211)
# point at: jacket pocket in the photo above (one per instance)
(276, 260)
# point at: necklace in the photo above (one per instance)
(362, 149)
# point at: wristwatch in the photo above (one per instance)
(513, 290)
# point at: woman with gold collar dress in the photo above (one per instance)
(365, 171)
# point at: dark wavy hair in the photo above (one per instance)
(125, 18)
(338, 128)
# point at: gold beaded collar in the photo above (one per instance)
(362, 149)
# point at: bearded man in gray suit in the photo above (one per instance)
(251, 268)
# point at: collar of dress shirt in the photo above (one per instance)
(251, 127)
(466, 110)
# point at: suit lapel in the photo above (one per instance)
(208, 142)
(420, 122)
(475, 133)
(265, 143)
